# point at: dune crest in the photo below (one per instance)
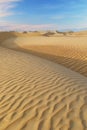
(70, 52)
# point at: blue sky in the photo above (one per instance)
(43, 14)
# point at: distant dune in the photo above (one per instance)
(43, 81)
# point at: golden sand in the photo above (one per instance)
(35, 92)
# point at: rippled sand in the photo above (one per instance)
(35, 92)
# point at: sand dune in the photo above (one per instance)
(70, 52)
(38, 94)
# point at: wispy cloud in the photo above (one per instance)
(58, 17)
(67, 16)
(7, 26)
(6, 7)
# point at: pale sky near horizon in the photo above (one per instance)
(43, 14)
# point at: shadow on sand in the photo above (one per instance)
(76, 65)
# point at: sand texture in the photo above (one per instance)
(35, 92)
(70, 52)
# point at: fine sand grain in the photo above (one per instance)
(36, 93)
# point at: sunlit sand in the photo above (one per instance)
(43, 81)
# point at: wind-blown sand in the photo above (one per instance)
(36, 93)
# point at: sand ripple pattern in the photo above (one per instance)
(70, 52)
(37, 94)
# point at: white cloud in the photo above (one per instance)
(7, 26)
(6, 7)
(6, 1)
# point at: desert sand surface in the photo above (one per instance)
(69, 50)
(43, 81)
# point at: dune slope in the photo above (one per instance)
(37, 94)
(70, 52)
